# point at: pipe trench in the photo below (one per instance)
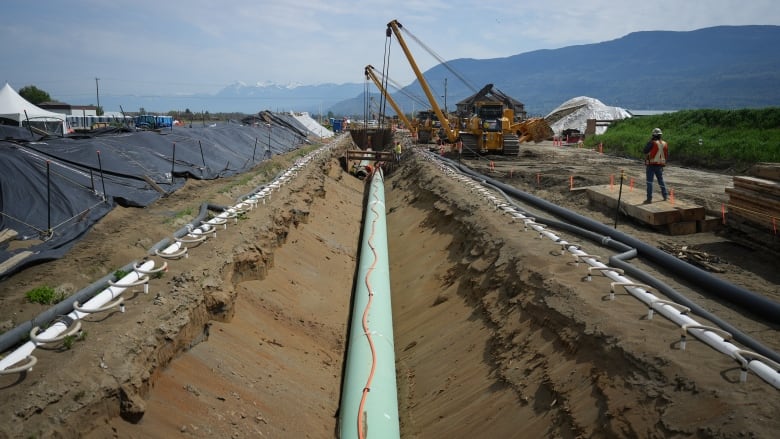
(369, 401)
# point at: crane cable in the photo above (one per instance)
(366, 331)
(440, 59)
(382, 97)
(386, 79)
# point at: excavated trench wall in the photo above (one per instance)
(492, 337)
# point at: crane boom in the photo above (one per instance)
(394, 27)
(371, 74)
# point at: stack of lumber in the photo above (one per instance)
(755, 201)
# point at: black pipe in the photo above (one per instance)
(709, 284)
(20, 333)
(627, 252)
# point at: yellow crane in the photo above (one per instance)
(492, 126)
(371, 73)
(394, 28)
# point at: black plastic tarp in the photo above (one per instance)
(52, 190)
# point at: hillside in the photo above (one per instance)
(717, 67)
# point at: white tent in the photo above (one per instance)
(574, 114)
(16, 108)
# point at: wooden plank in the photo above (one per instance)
(769, 171)
(758, 184)
(682, 228)
(13, 261)
(8, 235)
(764, 234)
(769, 203)
(758, 219)
(369, 155)
(655, 214)
(740, 205)
(709, 224)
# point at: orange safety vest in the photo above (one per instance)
(658, 153)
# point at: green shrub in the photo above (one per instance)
(45, 295)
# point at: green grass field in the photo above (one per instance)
(710, 139)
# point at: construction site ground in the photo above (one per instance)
(496, 334)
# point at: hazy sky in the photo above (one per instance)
(153, 48)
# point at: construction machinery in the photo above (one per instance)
(371, 73)
(446, 130)
(487, 122)
(426, 124)
(495, 123)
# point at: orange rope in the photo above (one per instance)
(367, 388)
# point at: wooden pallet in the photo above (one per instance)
(675, 217)
(755, 200)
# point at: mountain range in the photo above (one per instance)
(716, 67)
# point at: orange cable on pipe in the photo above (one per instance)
(366, 331)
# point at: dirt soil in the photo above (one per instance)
(496, 334)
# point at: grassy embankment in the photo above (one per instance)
(712, 139)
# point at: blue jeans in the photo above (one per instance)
(656, 171)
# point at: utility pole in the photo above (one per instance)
(97, 91)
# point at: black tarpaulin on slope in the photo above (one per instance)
(71, 199)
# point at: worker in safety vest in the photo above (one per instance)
(398, 152)
(656, 153)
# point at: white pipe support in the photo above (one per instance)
(30, 361)
(628, 285)
(137, 268)
(602, 270)
(582, 256)
(699, 327)
(766, 368)
(169, 253)
(216, 221)
(191, 239)
(243, 206)
(108, 306)
(55, 330)
(206, 228)
(142, 280)
(70, 329)
(662, 302)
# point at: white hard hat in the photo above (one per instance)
(657, 132)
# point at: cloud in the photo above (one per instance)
(157, 47)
